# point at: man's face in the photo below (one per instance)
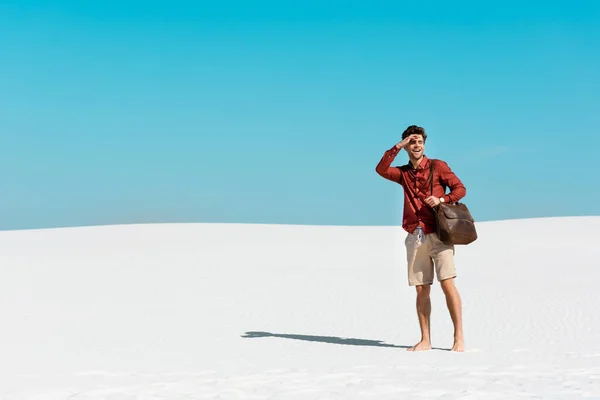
(415, 148)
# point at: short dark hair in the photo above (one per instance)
(414, 130)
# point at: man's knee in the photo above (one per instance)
(448, 285)
(423, 291)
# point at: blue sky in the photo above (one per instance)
(179, 111)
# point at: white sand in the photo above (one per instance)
(208, 311)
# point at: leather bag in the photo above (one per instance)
(455, 224)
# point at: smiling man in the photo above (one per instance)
(425, 252)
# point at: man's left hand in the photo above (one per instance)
(432, 201)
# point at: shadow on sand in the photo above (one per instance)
(329, 339)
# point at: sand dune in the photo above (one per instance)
(230, 311)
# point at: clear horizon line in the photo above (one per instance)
(116, 224)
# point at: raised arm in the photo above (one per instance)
(384, 168)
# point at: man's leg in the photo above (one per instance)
(454, 304)
(420, 275)
(443, 256)
(423, 313)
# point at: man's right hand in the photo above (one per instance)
(406, 141)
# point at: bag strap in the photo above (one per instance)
(431, 175)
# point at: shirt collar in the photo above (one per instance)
(422, 165)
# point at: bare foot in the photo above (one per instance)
(422, 345)
(459, 345)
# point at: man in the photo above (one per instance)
(424, 249)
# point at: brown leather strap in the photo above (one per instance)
(431, 175)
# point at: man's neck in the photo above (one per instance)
(415, 162)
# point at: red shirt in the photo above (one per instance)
(415, 182)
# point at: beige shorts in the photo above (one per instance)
(425, 255)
